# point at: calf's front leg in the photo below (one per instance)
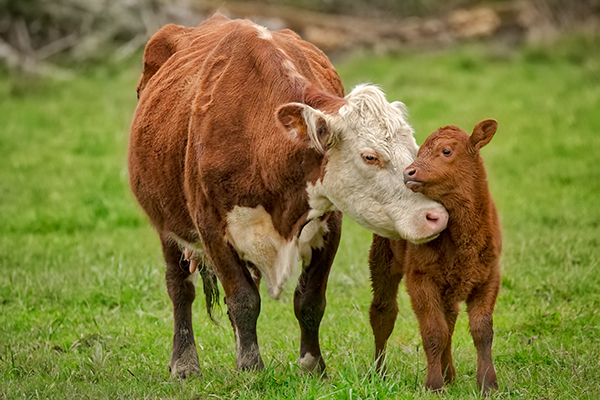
(427, 305)
(451, 310)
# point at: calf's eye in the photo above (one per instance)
(447, 152)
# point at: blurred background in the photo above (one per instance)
(37, 36)
(84, 311)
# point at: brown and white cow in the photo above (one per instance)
(243, 152)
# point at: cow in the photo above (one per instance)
(244, 152)
(460, 265)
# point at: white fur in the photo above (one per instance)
(251, 233)
(375, 197)
(264, 33)
(308, 362)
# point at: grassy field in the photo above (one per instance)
(84, 311)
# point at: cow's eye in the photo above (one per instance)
(370, 157)
(447, 152)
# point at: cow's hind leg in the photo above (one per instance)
(182, 291)
(480, 306)
(309, 297)
(385, 278)
(241, 297)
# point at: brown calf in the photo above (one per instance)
(460, 265)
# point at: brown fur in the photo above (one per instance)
(205, 139)
(460, 265)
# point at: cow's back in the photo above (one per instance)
(205, 127)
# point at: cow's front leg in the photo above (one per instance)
(309, 297)
(182, 291)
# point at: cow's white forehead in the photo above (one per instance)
(375, 121)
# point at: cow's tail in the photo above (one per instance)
(211, 289)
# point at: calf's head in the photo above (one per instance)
(367, 143)
(448, 160)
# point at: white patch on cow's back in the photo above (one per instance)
(292, 72)
(251, 233)
(264, 33)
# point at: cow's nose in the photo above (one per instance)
(409, 173)
(437, 221)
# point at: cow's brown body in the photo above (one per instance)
(460, 265)
(176, 180)
(243, 148)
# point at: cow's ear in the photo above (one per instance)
(483, 133)
(305, 123)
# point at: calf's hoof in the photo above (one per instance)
(186, 365)
(435, 384)
(487, 388)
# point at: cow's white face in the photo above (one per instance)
(369, 144)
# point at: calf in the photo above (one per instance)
(460, 265)
(243, 151)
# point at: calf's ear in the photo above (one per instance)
(483, 133)
(305, 123)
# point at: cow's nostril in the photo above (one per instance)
(411, 172)
(432, 217)
(437, 221)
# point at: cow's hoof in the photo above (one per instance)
(313, 365)
(250, 364)
(186, 365)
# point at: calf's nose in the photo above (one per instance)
(409, 173)
(437, 221)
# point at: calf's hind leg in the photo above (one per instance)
(480, 306)
(385, 279)
(182, 291)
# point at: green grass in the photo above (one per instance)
(84, 311)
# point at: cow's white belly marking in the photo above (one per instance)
(251, 233)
